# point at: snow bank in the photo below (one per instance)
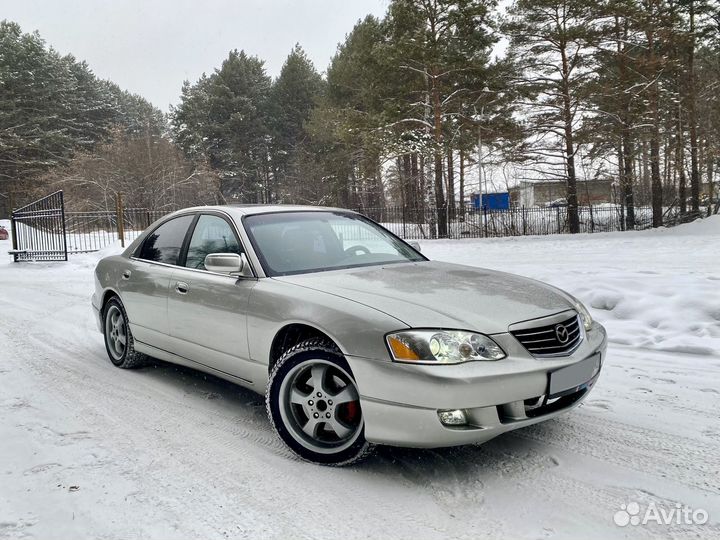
(656, 289)
(709, 226)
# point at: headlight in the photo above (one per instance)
(442, 347)
(585, 316)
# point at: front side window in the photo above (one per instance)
(165, 243)
(212, 234)
(300, 242)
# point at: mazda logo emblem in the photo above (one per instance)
(561, 332)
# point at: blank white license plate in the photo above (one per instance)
(574, 376)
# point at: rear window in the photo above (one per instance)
(165, 243)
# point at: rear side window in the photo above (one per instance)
(165, 243)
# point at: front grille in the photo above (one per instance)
(551, 340)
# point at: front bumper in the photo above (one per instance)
(400, 402)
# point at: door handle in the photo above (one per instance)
(181, 287)
(126, 274)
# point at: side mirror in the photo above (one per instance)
(415, 246)
(224, 263)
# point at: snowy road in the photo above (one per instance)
(87, 450)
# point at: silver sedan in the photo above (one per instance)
(352, 335)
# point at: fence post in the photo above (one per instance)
(524, 221)
(64, 228)
(13, 232)
(119, 219)
(403, 221)
(485, 220)
(557, 208)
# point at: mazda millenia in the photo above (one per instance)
(351, 334)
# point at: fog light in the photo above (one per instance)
(454, 417)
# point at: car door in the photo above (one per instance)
(207, 312)
(145, 282)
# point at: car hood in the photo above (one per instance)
(434, 294)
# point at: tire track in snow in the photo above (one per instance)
(126, 398)
(650, 451)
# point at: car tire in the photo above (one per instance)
(119, 342)
(313, 404)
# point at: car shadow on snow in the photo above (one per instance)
(453, 466)
(211, 393)
(462, 470)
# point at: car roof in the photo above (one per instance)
(250, 209)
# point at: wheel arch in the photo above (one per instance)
(107, 295)
(293, 333)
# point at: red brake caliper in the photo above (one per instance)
(350, 411)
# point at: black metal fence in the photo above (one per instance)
(414, 224)
(38, 230)
(43, 230)
(92, 231)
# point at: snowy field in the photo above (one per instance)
(90, 451)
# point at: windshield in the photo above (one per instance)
(300, 242)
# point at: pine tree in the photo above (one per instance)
(35, 116)
(444, 47)
(655, 20)
(293, 97)
(222, 120)
(702, 18)
(132, 112)
(551, 41)
(612, 124)
(346, 128)
(51, 106)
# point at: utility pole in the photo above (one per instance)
(479, 120)
(480, 157)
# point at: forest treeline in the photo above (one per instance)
(63, 128)
(408, 109)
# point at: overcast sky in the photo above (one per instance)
(150, 46)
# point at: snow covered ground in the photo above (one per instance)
(87, 450)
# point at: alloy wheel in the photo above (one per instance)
(319, 404)
(115, 332)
